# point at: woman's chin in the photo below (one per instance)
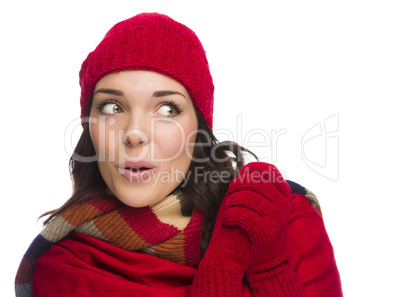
(140, 194)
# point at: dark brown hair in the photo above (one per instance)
(222, 160)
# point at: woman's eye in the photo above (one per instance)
(167, 110)
(111, 108)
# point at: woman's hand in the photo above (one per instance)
(249, 237)
(258, 202)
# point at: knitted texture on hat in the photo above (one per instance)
(155, 42)
(166, 230)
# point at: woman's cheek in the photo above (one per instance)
(169, 141)
(105, 140)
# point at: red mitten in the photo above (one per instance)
(249, 235)
(259, 204)
(221, 271)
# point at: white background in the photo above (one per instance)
(283, 66)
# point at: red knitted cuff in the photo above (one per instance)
(217, 281)
(280, 281)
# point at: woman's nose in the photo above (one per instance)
(135, 137)
(137, 133)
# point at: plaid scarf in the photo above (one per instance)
(169, 229)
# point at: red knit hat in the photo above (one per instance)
(151, 41)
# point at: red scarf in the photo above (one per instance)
(168, 230)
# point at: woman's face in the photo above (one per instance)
(143, 127)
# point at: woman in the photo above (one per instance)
(166, 210)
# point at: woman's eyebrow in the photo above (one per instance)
(110, 91)
(167, 93)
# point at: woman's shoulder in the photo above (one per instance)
(311, 254)
(300, 190)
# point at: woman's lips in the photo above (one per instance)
(137, 171)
